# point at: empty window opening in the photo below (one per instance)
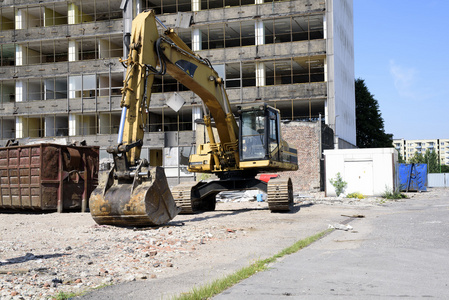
(56, 126)
(7, 128)
(108, 123)
(7, 91)
(7, 55)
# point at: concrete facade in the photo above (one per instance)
(407, 148)
(60, 74)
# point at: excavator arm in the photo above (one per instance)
(153, 54)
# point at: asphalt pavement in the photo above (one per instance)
(400, 250)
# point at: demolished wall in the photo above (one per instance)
(309, 138)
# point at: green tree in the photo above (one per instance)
(417, 158)
(444, 169)
(430, 158)
(401, 160)
(370, 124)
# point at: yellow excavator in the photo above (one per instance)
(134, 194)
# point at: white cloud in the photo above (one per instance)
(404, 80)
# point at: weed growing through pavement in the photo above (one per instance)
(338, 184)
(391, 194)
(222, 284)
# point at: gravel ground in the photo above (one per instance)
(42, 255)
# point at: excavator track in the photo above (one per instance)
(280, 194)
(182, 193)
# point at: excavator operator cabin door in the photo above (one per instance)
(273, 134)
(253, 135)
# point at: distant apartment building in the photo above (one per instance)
(407, 148)
(60, 74)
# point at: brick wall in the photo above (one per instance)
(305, 137)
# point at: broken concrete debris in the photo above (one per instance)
(340, 227)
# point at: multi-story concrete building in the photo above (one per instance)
(407, 148)
(60, 73)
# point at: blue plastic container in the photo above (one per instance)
(413, 177)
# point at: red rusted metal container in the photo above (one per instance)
(47, 177)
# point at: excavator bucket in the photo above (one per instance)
(145, 201)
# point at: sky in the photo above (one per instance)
(402, 52)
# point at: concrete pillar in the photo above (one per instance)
(73, 14)
(21, 20)
(73, 50)
(196, 40)
(324, 27)
(325, 69)
(20, 91)
(19, 127)
(20, 55)
(49, 126)
(72, 125)
(48, 17)
(196, 5)
(197, 113)
(326, 112)
(72, 87)
(127, 8)
(260, 40)
(48, 86)
(259, 32)
(260, 74)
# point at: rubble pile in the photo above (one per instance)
(35, 265)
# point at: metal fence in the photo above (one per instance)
(438, 180)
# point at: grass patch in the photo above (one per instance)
(216, 287)
(64, 296)
(70, 295)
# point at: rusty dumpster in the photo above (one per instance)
(47, 177)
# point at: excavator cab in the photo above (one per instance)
(259, 133)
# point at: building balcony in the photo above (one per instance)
(301, 91)
(291, 49)
(62, 32)
(249, 11)
(60, 68)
